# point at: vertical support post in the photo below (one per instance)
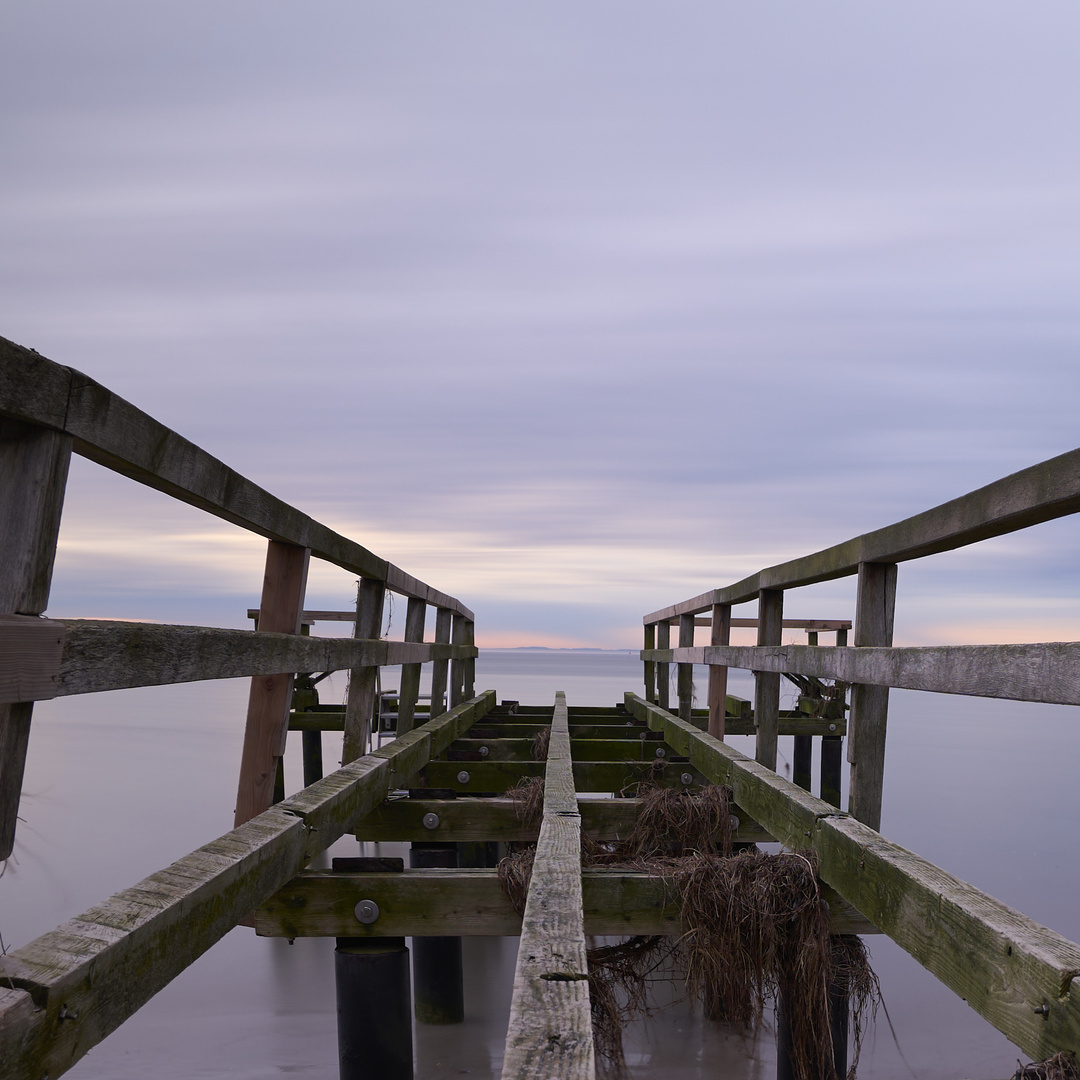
(459, 636)
(438, 985)
(360, 703)
(313, 764)
(284, 583)
(875, 604)
(686, 671)
(650, 665)
(767, 683)
(409, 691)
(663, 678)
(720, 634)
(470, 664)
(372, 979)
(802, 766)
(832, 752)
(439, 668)
(33, 477)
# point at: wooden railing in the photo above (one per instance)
(1015, 973)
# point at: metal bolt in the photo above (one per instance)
(484, 751)
(431, 821)
(687, 779)
(463, 777)
(367, 911)
(661, 752)
(735, 823)
(832, 727)
(1043, 1010)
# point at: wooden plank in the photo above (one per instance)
(409, 688)
(663, 672)
(30, 652)
(1042, 492)
(452, 903)
(650, 667)
(685, 673)
(466, 819)
(33, 475)
(550, 1029)
(874, 605)
(1044, 672)
(767, 683)
(788, 624)
(114, 433)
(720, 635)
(602, 776)
(1007, 967)
(90, 974)
(459, 636)
(360, 703)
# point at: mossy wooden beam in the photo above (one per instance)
(469, 819)
(1037, 672)
(550, 1028)
(471, 777)
(89, 975)
(1015, 973)
(448, 903)
(103, 655)
(114, 433)
(1042, 492)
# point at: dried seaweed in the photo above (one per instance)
(1060, 1066)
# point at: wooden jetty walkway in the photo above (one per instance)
(440, 780)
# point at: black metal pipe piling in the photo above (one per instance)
(438, 985)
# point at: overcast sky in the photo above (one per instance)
(573, 310)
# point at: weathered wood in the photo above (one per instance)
(874, 605)
(361, 702)
(1037, 672)
(1042, 492)
(469, 902)
(440, 667)
(459, 636)
(30, 652)
(602, 776)
(550, 1030)
(92, 973)
(663, 671)
(1005, 966)
(33, 476)
(767, 683)
(106, 655)
(466, 820)
(650, 666)
(720, 635)
(409, 688)
(469, 674)
(685, 674)
(284, 583)
(788, 624)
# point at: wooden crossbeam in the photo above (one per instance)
(550, 1030)
(30, 651)
(1015, 973)
(470, 777)
(452, 903)
(464, 820)
(89, 975)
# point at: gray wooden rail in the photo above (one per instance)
(48, 412)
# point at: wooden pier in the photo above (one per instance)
(442, 775)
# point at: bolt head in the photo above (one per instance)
(463, 777)
(484, 751)
(431, 821)
(687, 779)
(367, 911)
(661, 752)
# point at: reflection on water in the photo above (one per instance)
(121, 784)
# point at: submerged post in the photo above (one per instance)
(438, 986)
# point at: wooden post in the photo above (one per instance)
(360, 704)
(832, 753)
(33, 476)
(875, 604)
(686, 671)
(650, 665)
(409, 691)
(802, 766)
(767, 683)
(284, 583)
(470, 665)
(663, 678)
(720, 635)
(439, 668)
(460, 636)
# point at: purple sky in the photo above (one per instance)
(573, 311)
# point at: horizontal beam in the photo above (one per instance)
(1040, 672)
(105, 655)
(30, 651)
(604, 776)
(789, 624)
(1015, 973)
(469, 820)
(1042, 492)
(449, 903)
(89, 975)
(114, 433)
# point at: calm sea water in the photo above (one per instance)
(120, 784)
